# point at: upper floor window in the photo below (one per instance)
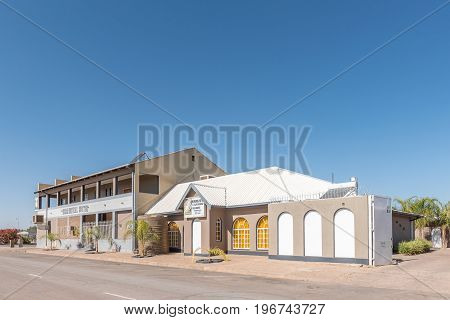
(149, 183)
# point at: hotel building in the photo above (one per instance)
(270, 212)
(111, 198)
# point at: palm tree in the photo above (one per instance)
(445, 223)
(407, 204)
(52, 237)
(144, 234)
(430, 208)
(93, 234)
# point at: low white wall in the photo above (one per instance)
(104, 245)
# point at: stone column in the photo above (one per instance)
(69, 196)
(97, 189)
(113, 229)
(81, 228)
(114, 186)
(47, 201)
(68, 227)
(82, 193)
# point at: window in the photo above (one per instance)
(262, 233)
(149, 184)
(219, 230)
(241, 234)
(174, 235)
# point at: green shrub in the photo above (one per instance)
(217, 252)
(414, 247)
(26, 240)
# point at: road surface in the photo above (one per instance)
(32, 276)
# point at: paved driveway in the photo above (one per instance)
(72, 278)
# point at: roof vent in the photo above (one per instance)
(206, 177)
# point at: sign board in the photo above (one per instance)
(194, 207)
(75, 210)
(108, 204)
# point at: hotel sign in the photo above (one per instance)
(194, 207)
(75, 210)
(108, 204)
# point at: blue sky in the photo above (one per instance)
(234, 62)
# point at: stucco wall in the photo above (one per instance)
(218, 213)
(208, 227)
(401, 230)
(252, 215)
(205, 237)
(327, 208)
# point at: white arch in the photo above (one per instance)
(285, 234)
(344, 234)
(313, 234)
(196, 235)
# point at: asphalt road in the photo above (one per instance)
(30, 276)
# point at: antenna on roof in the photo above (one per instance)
(332, 177)
(141, 156)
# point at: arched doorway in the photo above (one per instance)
(344, 234)
(313, 234)
(174, 237)
(196, 236)
(285, 234)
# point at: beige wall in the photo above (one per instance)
(401, 230)
(208, 227)
(173, 169)
(327, 208)
(61, 227)
(122, 220)
(215, 214)
(252, 215)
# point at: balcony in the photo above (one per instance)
(120, 202)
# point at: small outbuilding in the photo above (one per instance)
(403, 226)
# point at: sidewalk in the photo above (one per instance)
(423, 273)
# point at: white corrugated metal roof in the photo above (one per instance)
(248, 188)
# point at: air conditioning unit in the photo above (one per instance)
(38, 219)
